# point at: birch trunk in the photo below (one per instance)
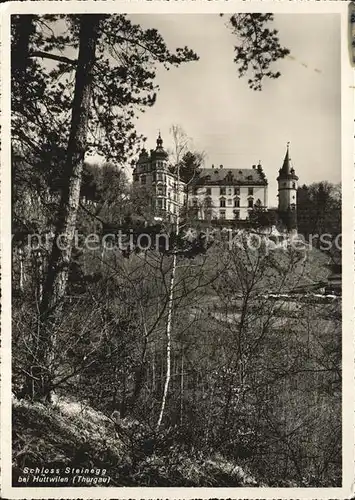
(168, 342)
(170, 313)
(182, 390)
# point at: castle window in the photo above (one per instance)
(237, 202)
(229, 191)
(229, 201)
(237, 190)
(250, 191)
(208, 191)
(222, 214)
(222, 191)
(294, 185)
(250, 203)
(222, 202)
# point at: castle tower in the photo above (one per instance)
(287, 188)
(159, 155)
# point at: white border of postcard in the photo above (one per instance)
(183, 6)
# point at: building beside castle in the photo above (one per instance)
(228, 194)
(217, 193)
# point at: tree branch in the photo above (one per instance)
(47, 55)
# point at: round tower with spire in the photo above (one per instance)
(287, 193)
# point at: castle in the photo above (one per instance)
(217, 193)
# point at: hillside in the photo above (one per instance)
(71, 440)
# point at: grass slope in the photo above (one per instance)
(71, 434)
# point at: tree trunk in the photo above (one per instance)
(182, 390)
(22, 270)
(22, 28)
(168, 342)
(58, 268)
(170, 313)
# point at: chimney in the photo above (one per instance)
(254, 166)
(221, 166)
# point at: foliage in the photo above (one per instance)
(258, 47)
(261, 217)
(254, 379)
(319, 210)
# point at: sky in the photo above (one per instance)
(238, 127)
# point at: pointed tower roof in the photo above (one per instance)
(159, 150)
(286, 171)
(286, 167)
(159, 141)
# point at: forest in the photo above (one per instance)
(198, 365)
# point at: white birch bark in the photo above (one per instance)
(170, 313)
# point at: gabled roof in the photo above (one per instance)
(233, 176)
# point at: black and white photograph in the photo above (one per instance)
(175, 311)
